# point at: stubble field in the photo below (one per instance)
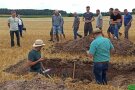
(39, 28)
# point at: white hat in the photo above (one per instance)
(38, 43)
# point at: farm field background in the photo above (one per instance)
(39, 28)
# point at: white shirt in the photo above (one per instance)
(13, 23)
(20, 22)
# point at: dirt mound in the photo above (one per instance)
(37, 83)
(123, 47)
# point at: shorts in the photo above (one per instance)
(57, 30)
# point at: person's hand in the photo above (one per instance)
(41, 59)
(87, 52)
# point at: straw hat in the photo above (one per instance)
(38, 43)
(97, 30)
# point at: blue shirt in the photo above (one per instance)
(100, 49)
(57, 20)
(88, 16)
(127, 18)
(34, 56)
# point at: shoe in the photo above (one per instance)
(115, 38)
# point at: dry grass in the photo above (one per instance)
(39, 28)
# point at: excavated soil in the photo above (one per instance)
(118, 75)
(122, 47)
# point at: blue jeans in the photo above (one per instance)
(116, 30)
(20, 29)
(99, 71)
(76, 33)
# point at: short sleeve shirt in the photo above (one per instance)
(88, 16)
(34, 56)
(98, 23)
(127, 18)
(76, 21)
(115, 18)
(13, 23)
(100, 49)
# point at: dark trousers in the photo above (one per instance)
(88, 29)
(20, 29)
(76, 33)
(99, 71)
(12, 38)
(126, 31)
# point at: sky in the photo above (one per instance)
(68, 5)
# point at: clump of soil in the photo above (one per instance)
(123, 47)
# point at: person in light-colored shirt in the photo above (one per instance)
(99, 20)
(13, 22)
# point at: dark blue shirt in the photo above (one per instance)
(88, 16)
(34, 56)
(127, 19)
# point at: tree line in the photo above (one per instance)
(45, 12)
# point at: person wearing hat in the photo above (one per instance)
(13, 27)
(100, 53)
(34, 57)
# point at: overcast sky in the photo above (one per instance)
(68, 5)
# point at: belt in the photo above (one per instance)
(101, 62)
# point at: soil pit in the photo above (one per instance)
(83, 71)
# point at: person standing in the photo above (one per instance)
(13, 27)
(99, 20)
(127, 22)
(100, 49)
(34, 57)
(75, 26)
(20, 25)
(57, 24)
(88, 18)
(115, 22)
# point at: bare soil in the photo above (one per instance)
(122, 47)
(118, 77)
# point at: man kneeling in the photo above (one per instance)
(34, 57)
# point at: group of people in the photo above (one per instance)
(115, 23)
(100, 48)
(16, 27)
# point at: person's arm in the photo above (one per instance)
(31, 63)
(130, 20)
(92, 50)
(52, 21)
(9, 23)
(92, 19)
(78, 21)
